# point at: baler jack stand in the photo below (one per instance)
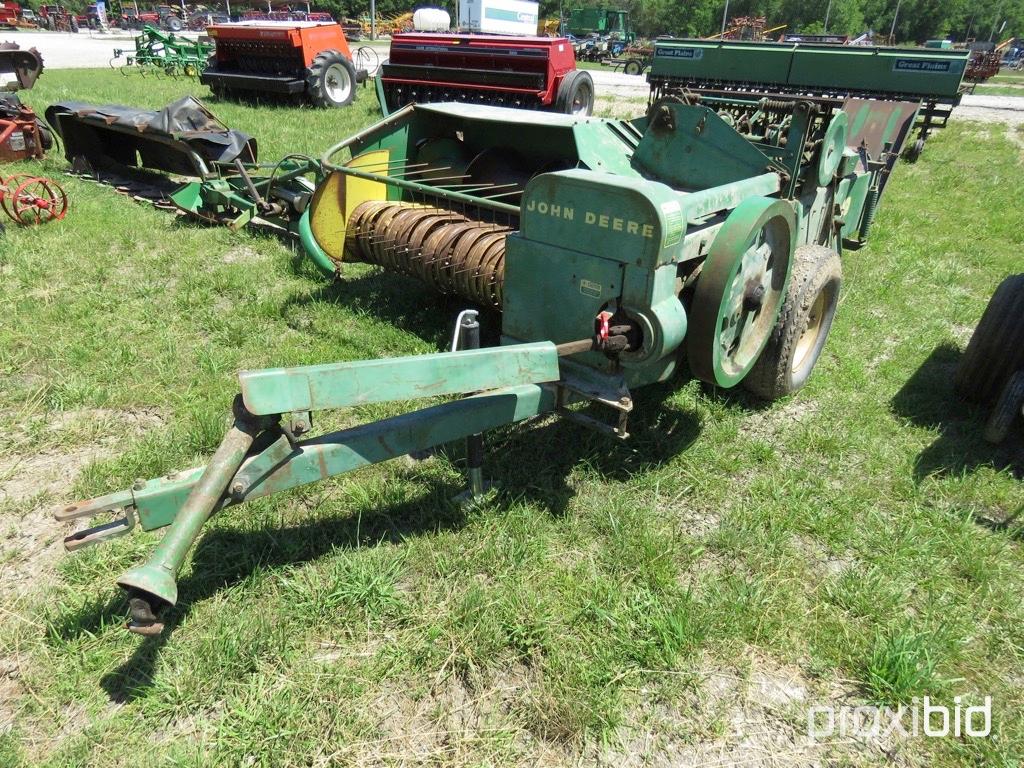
(467, 336)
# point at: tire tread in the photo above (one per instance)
(996, 348)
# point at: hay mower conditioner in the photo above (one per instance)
(285, 58)
(702, 237)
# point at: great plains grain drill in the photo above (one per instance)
(703, 238)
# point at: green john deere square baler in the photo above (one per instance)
(703, 238)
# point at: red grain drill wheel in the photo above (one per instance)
(33, 199)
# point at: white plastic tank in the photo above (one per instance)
(431, 20)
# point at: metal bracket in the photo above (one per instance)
(122, 501)
(609, 391)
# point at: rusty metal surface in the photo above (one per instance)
(446, 250)
(24, 65)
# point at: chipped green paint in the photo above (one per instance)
(338, 385)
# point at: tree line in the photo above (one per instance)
(917, 20)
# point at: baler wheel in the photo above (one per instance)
(996, 350)
(800, 333)
(331, 80)
(1007, 409)
(741, 290)
(913, 151)
(576, 94)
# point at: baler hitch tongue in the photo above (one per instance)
(122, 501)
(262, 454)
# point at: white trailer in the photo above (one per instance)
(499, 17)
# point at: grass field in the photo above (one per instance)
(679, 599)
(999, 89)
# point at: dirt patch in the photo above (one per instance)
(991, 109)
(31, 486)
(11, 691)
(754, 717)
(770, 423)
(241, 255)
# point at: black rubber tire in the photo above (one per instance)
(913, 151)
(576, 85)
(317, 87)
(74, 24)
(996, 348)
(633, 67)
(1006, 410)
(817, 271)
(173, 23)
(45, 136)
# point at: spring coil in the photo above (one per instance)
(870, 203)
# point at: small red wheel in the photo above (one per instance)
(7, 187)
(35, 201)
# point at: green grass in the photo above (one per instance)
(1016, 78)
(999, 89)
(857, 539)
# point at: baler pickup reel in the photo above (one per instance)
(266, 450)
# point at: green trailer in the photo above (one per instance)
(600, 21)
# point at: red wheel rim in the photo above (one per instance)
(35, 201)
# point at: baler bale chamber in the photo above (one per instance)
(703, 238)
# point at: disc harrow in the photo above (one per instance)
(32, 200)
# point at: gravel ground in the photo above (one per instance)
(95, 49)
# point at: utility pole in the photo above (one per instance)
(725, 15)
(373, 19)
(992, 34)
(828, 12)
(892, 29)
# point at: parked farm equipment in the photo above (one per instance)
(523, 72)
(31, 200)
(164, 53)
(22, 134)
(132, 150)
(928, 83)
(632, 60)
(309, 59)
(57, 18)
(992, 369)
(19, 68)
(704, 237)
